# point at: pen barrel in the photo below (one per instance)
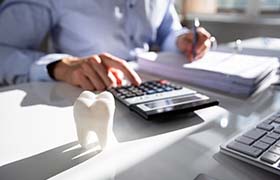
(196, 24)
(195, 40)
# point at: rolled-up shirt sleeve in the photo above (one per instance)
(24, 26)
(169, 29)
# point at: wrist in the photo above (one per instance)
(51, 67)
(60, 69)
(180, 43)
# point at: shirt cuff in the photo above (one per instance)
(39, 71)
(170, 42)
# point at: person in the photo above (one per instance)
(91, 39)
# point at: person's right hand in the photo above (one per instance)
(97, 72)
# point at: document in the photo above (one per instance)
(235, 74)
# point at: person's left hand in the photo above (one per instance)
(184, 44)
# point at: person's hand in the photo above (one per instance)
(184, 44)
(96, 72)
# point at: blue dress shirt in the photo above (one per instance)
(80, 28)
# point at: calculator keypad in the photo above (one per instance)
(150, 87)
(150, 90)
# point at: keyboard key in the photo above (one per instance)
(277, 120)
(269, 120)
(270, 158)
(265, 126)
(275, 149)
(261, 145)
(277, 143)
(268, 140)
(244, 140)
(277, 130)
(274, 135)
(249, 150)
(255, 133)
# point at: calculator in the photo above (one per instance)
(160, 98)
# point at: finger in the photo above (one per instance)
(189, 57)
(203, 45)
(113, 78)
(86, 84)
(101, 70)
(204, 48)
(112, 61)
(203, 32)
(199, 56)
(185, 42)
(118, 75)
(93, 76)
(80, 80)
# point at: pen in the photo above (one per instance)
(196, 24)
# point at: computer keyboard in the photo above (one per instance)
(259, 146)
(153, 99)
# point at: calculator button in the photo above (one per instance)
(160, 90)
(140, 93)
(151, 92)
(168, 89)
(176, 87)
(122, 97)
(129, 95)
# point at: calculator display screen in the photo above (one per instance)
(172, 102)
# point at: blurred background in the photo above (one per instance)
(233, 19)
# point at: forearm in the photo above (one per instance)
(21, 65)
(170, 42)
(15, 64)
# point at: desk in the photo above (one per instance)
(38, 139)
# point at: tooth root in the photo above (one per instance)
(102, 138)
(82, 137)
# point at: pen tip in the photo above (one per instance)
(196, 22)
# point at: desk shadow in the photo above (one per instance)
(48, 93)
(257, 103)
(179, 161)
(46, 164)
(242, 169)
(137, 128)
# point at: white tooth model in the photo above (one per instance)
(94, 113)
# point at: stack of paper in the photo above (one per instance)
(239, 75)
